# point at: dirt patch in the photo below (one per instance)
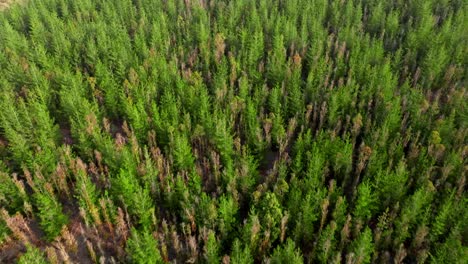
(66, 135)
(10, 251)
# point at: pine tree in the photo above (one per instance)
(326, 243)
(287, 254)
(11, 197)
(365, 204)
(4, 231)
(439, 225)
(211, 249)
(228, 210)
(32, 256)
(362, 248)
(277, 60)
(51, 215)
(142, 247)
(182, 152)
(240, 255)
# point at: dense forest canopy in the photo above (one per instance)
(215, 131)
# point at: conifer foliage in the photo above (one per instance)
(215, 131)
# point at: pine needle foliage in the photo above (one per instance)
(177, 131)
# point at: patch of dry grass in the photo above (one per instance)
(4, 4)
